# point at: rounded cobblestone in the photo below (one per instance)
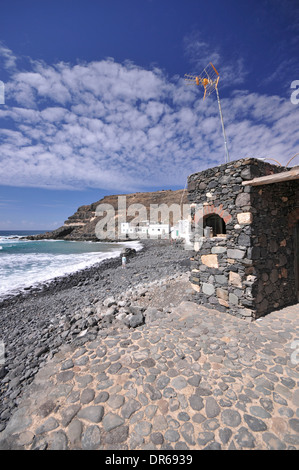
(171, 435)
(87, 396)
(91, 438)
(195, 381)
(143, 428)
(231, 418)
(116, 401)
(92, 413)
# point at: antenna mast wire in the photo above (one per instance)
(223, 130)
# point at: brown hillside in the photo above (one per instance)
(82, 224)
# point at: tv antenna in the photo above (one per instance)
(209, 79)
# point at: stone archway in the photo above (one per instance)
(205, 212)
(216, 223)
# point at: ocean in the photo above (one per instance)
(25, 263)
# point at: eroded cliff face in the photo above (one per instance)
(82, 224)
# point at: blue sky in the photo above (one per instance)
(96, 102)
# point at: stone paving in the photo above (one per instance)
(199, 379)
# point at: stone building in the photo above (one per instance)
(246, 237)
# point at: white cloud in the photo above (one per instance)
(8, 57)
(200, 54)
(120, 127)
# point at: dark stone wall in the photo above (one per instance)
(273, 245)
(250, 271)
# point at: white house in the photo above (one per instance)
(156, 230)
(145, 229)
(124, 227)
(181, 230)
(135, 230)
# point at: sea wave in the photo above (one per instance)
(18, 272)
(136, 244)
(25, 263)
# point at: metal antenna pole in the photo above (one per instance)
(209, 79)
(224, 135)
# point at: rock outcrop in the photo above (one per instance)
(82, 224)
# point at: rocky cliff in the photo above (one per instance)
(82, 224)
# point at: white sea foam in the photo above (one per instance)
(136, 245)
(25, 263)
(20, 271)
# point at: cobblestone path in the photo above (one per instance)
(196, 380)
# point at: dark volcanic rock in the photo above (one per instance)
(69, 311)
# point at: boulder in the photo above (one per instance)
(152, 314)
(136, 320)
(127, 252)
(109, 301)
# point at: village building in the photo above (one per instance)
(245, 237)
(182, 231)
(145, 230)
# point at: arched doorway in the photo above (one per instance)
(216, 223)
